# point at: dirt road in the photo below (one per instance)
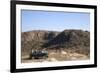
(57, 56)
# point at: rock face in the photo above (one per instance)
(38, 35)
(35, 39)
(70, 38)
(52, 39)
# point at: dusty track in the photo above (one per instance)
(57, 56)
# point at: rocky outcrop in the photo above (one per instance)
(35, 39)
(52, 39)
(70, 38)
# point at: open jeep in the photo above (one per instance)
(39, 54)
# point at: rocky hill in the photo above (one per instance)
(70, 38)
(35, 39)
(54, 40)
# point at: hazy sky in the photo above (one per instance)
(54, 21)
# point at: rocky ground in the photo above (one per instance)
(64, 55)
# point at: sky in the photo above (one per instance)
(54, 21)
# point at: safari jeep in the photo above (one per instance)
(39, 54)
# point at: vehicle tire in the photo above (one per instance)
(36, 58)
(30, 57)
